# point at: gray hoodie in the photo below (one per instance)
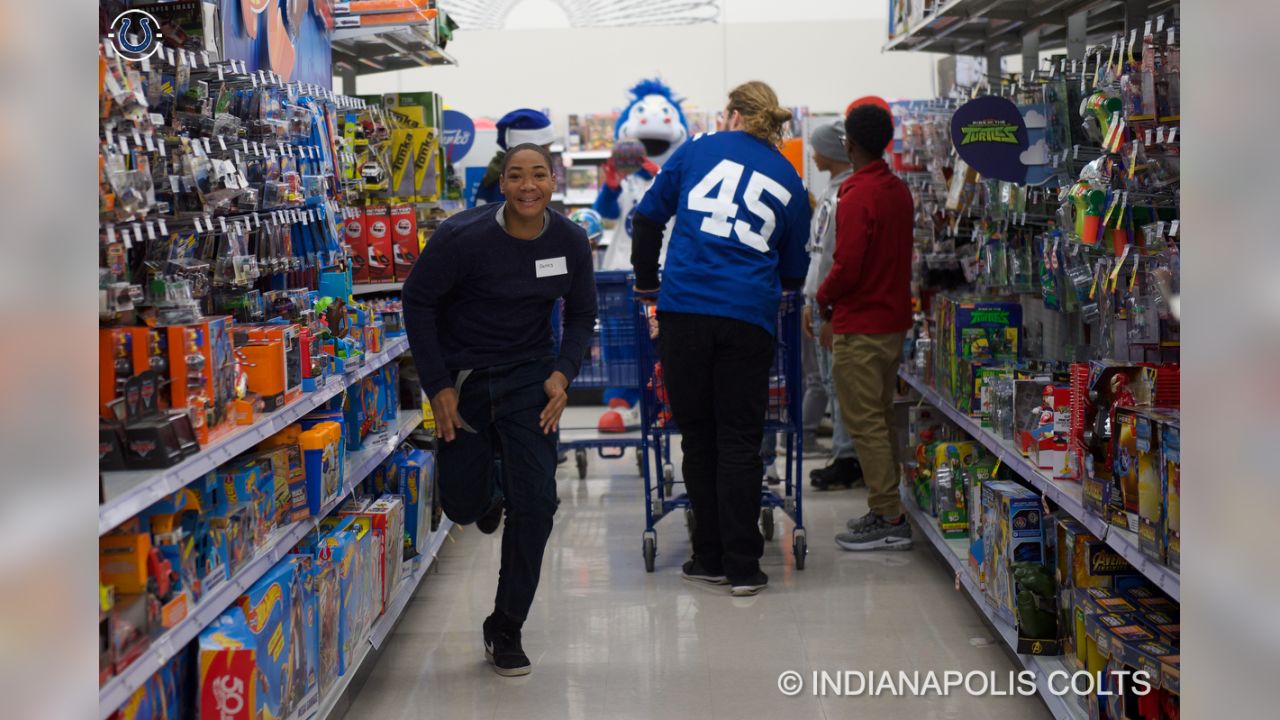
(822, 237)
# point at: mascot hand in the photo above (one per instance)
(612, 178)
(650, 167)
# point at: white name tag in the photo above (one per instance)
(551, 267)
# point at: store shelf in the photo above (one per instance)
(982, 27)
(955, 554)
(358, 466)
(580, 197)
(384, 48)
(576, 155)
(131, 492)
(372, 288)
(1067, 495)
(383, 626)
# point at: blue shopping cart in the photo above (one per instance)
(784, 416)
(611, 362)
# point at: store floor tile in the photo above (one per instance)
(609, 640)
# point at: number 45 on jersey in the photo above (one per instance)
(723, 210)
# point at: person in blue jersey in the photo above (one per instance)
(741, 226)
(477, 309)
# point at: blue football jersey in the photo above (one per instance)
(742, 223)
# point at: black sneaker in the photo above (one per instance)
(502, 648)
(488, 523)
(842, 472)
(745, 587)
(695, 571)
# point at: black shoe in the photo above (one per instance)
(752, 585)
(843, 472)
(695, 571)
(502, 647)
(488, 523)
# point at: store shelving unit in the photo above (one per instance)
(1067, 495)
(955, 554)
(587, 155)
(415, 570)
(358, 466)
(383, 48)
(373, 288)
(131, 492)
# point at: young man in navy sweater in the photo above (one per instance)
(477, 308)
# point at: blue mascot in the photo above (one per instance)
(517, 127)
(648, 132)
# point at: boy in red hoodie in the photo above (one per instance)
(867, 297)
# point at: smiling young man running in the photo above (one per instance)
(478, 310)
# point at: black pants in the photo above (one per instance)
(502, 405)
(717, 375)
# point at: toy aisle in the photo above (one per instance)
(272, 542)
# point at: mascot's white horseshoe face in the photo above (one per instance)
(655, 123)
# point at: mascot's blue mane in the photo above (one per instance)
(643, 89)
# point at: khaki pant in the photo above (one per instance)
(865, 371)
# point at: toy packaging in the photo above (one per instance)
(387, 518)
(1171, 479)
(1152, 496)
(1012, 533)
(404, 239)
(378, 236)
(248, 656)
(358, 242)
(416, 470)
(322, 457)
(306, 634)
(340, 549)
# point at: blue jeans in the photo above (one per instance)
(841, 443)
(503, 404)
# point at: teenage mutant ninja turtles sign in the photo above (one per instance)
(990, 135)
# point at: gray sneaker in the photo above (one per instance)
(876, 533)
(857, 524)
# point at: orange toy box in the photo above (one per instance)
(121, 355)
(404, 240)
(282, 372)
(202, 369)
(377, 229)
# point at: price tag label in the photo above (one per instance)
(204, 55)
(173, 183)
(1173, 134)
(146, 64)
(222, 143)
(169, 54)
(1148, 136)
(220, 76)
(256, 222)
(164, 228)
(1173, 229)
(151, 145)
(1160, 24)
(222, 224)
(137, 138)
(207, 148)
(151, 230)
(1146, 30)
(111, 234)
(1160, 135)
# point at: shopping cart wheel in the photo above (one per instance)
(766, 523)
(650, 549)
(690, 523)
(669, 477)
(580, 455)
(799, 546)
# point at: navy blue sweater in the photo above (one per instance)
(478, 297)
